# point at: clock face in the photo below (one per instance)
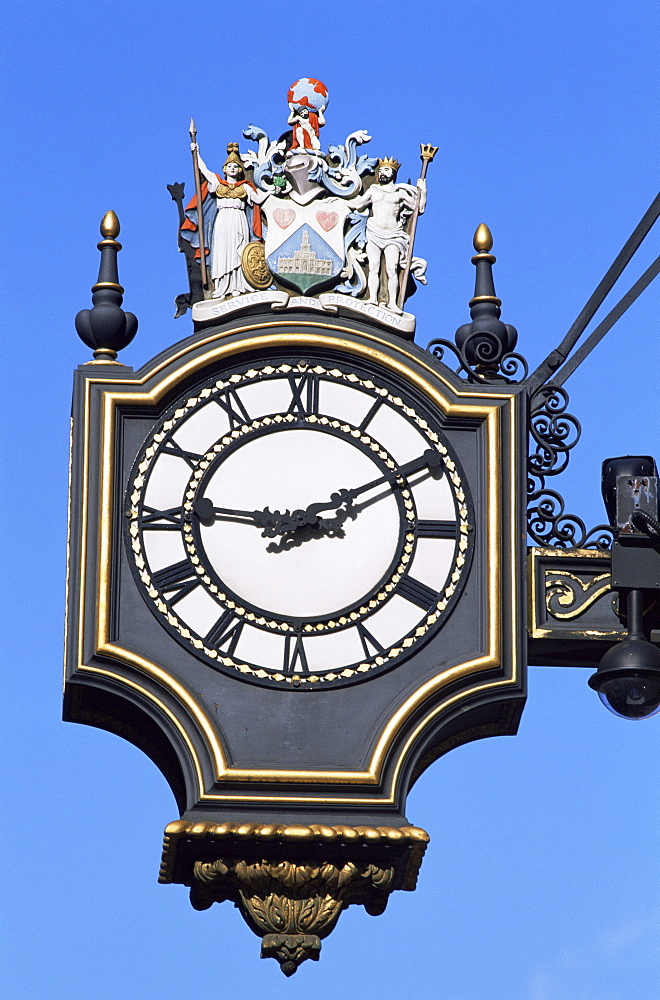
(299, 523)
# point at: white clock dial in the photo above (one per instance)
(298, 522)
(288, 470)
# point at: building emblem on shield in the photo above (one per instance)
(305, 245)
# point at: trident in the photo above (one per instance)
(426, 154)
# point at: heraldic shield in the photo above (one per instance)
(305, 243)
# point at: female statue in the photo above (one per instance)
(224, 204)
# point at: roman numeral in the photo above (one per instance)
(304, 394)
(161, 520)
(232, 404)
(227, 630)
(436, 529)
(295, 656)
(367, 640)
(172, 448)
(371, 414)
(417, 592)
(178, 579)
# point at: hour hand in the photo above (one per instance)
(205, 510)
(273, 522)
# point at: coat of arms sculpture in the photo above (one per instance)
(303, 228)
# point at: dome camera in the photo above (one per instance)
(628, 679)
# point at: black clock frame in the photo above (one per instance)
(226, 746)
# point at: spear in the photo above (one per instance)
(200, 213)
(426, 154)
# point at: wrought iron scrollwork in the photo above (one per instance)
(482, 359)
(554, 433)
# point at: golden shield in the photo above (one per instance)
(255, 268)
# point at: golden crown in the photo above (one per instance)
(389, 162)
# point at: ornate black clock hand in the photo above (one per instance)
(206, 510)
(429, 458)
(342, 500)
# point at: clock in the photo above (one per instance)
(299, 522)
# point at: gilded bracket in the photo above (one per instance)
(292, 882)
(567, 596)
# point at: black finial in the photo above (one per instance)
(106, 327)
(485, 340)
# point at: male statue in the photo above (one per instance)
(391, 206)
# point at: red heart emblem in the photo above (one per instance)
(284, 217)
(327, 219)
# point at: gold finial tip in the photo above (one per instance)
(483, 239)
(110, 226)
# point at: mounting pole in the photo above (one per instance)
(561, 353)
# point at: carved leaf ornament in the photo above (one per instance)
(292, 905)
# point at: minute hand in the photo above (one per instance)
(341, 500)
(430, 458)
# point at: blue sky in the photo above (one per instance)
(541, 881)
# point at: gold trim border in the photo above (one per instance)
(223, 348)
